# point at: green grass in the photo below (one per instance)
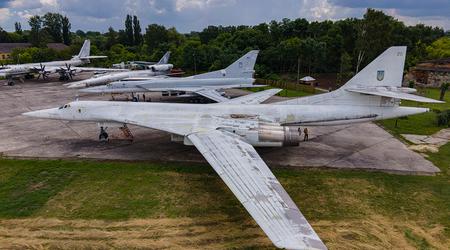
(118, 191)
(421, 124)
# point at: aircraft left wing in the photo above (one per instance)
(252, 182)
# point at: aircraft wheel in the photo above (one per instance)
(103, 136)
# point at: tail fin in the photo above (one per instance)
(386, 70)
(242, 68)
(378, 84)
(85, 51)
(165, 58)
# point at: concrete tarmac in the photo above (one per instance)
(361, 146)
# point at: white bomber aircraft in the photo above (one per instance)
(161, 68)
(226, 132)
(238, 75)
(65, 68)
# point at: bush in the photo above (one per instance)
(443, 118)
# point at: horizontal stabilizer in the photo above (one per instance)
(386, 92)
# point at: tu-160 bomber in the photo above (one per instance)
(238, 75)
(161, 68)
(226, 133)
(66, 69)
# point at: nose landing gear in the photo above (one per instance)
(103, 136)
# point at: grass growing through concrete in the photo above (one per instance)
(415, 208)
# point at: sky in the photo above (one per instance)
(194, 15)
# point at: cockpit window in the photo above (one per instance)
(65, 106)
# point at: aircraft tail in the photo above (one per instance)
(242, 68)
(85, 50)
(165, 58)
(378, 84)
(386, 70)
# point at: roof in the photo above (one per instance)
(9, 47)
(307, 79)
(437, 65)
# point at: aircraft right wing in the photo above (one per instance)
(211, 94)
(253, 98)
(252, 182)
(93, 69)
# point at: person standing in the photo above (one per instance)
(306, 135)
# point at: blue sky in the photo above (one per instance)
(188, 15)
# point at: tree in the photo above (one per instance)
(53, 24)
(439, 48)
(111, 38)
(35, 23)
(18, 27)
(66, 30)
(137, 31)
(129, 30)
(155, 35)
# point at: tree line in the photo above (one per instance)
(286, 46)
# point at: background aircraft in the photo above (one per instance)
(66, 68)
(135, 65)
(225, 133)
(160, 68)
(238, 75)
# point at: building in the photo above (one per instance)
(432, 73)
(7, 48)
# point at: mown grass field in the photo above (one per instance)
(73, 204)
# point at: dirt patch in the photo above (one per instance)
(213, 233)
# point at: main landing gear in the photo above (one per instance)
(103, 136)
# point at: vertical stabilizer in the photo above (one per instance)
(85, 51)
(242, 68)
(165, 58)
(386, 70)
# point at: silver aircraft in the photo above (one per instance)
(161, 68)
(225, 134)
(238, 75)
(66, 68)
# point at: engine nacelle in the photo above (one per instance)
(287, 135)
(164, 67)
(268, 135)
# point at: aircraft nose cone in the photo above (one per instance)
(76, 86)
(45, 113)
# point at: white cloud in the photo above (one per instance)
(189, 15)
(181, 5)
(4, 14)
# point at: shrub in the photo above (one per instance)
(443, 118)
